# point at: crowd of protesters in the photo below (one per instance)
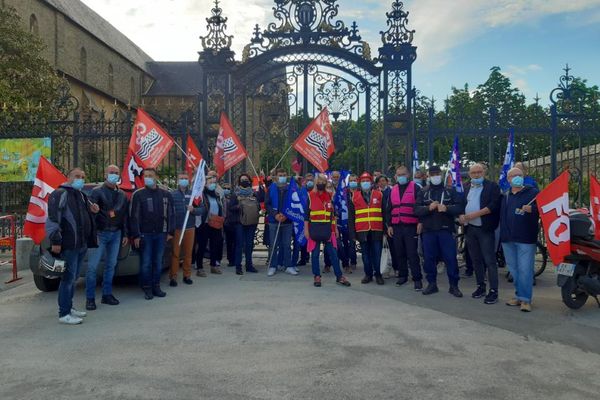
(416, 214)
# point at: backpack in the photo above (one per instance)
(248, 210)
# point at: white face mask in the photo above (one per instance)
(436, 180)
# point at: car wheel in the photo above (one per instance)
(45, 284)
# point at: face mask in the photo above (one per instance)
(149, 182)
(353, 185)
(365, 185)
(310, 184)
(282, 180)
(245, 184)
(517, 182)
(212, 186)
(184, 183)
(78, 183)
(226, 192)
(436, 180)
(403, 180)
(321, 186)
(418, 181)
(477, 181)
(112, 178)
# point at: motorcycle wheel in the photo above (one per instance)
(572, 296)
(541, 259)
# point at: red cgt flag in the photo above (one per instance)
(149, 142)
(553, 205)
(316, 141)
(595, 204)
(194, 157)
(47, 179)
(229, 150)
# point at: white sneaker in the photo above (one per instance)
(296, 269)
(70, 320)
(271, 271)
(78, 314)
(291, 271)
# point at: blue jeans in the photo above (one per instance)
(283, 245)
(66, 289)
(152, 249)
(109, 244)
(332, 253)
(436, 244)
(244, 238)
(520, 260)
(371, 256)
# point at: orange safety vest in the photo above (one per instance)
(368, 217)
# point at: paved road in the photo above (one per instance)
(255, 337)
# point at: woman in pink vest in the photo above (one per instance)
(403, 227)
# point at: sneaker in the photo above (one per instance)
(367, 279)
(272, 271)
(291, 271)
(148, 293)
(317, 281)
(218, 263)
(479, 293)
(110, 300)
(201, 273)
(525, 306)
(418, 285)
(401, 281)
(492, 297)
(296, 269)
(173, 283)
(430, 289)
(239, 271)
(215, 270)
(78, 314)
(157, 292)
(90, 304)
(455, 291)
(70, 320)
(187, 281)
(379, 280)
(342, 280)
(251, 270)
(513, 302)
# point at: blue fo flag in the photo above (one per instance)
(339, 200)
(509, 161)
(454, 167)
(293, 208)
(415, 158)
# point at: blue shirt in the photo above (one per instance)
(474, 203)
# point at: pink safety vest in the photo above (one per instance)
(402, 209)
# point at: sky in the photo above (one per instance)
(457, 41)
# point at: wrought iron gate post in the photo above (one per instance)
(553, 141)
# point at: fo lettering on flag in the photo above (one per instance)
(316, 142)
(229, 150)
(553, 204)
(47, 180)
(595, 205)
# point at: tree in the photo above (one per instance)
(25, 77)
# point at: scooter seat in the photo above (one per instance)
(589, 243)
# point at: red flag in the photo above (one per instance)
(553, 205)
(149, 142)
(229, 150)
(316, 141)
(297, 166)
(131, 176)
(595, 204)
(47, 179)
(193, 156)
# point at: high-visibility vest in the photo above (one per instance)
(320, 212)
(402, 208)
(368, 217)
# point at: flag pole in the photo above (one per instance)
(282, 157)
(252, 165)
(270, 258)
(184, 153)
(187, 211)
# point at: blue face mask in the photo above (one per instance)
(403, 180)
(418, 181)
(353, 184)
(282, 180)
(112, 178)
(365, 185)
(226, 192)
(149, 182)
(78, 183)
(477, 181)
(212, 186)
(184, 183)
(517, 182)
(310, 184)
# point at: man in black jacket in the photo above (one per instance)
(71, 229)
(152, 224)
(436, 207)
(481, 217)
(111, 222)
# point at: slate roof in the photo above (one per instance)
(177, 78)
(89, 20)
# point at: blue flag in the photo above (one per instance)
(339, 200)
(293, 208)
(415, 158)
(454, 167)
(509, 161)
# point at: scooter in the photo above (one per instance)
(579, 275)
